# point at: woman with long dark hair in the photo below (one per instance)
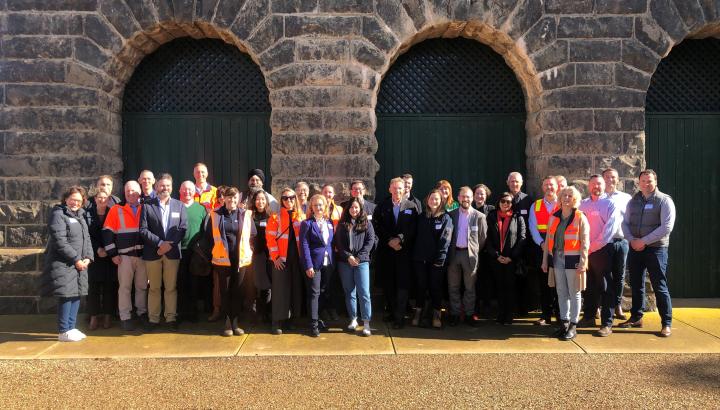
(261, 268)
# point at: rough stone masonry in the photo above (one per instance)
(584, 66)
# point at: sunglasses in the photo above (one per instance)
(287, 198)
(505, 201)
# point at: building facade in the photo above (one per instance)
(584, 68)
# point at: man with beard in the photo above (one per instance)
(256, 180)
(357, 190)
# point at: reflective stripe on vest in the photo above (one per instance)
(542, 215)
(220, 255)
(245, 251)
(571, 247)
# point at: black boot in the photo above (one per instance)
(562, 328)
(571, 332)
(314, 328)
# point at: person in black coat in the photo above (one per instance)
(395, 222)
(67, 257)
(506, 235)
(484, 286)
(432, 240)
(353, 241)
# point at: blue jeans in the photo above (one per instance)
(566, 284)
(654, 260)
(356, 279)
(618, 260)
(67, 313)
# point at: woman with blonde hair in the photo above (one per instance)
(447, 195)
(565, 254)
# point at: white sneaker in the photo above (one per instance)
(366, 328)
(68, 336)
(353, 325)
(78, 333)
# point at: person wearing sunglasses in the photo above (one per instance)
(505, 241)
(282, 235)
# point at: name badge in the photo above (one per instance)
(330, 227)
(648, 206)
(595, 213)
(523, 212)
(72, 221)
(175, 215)
(474, 228)
(438, 226)
(263, 224)
(408, 212)
(369, 217)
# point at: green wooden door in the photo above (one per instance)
(229, 143)
(465, 149)
(684, 150)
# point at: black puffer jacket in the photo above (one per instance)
(68, 242)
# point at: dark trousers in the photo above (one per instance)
(231, 294)
(548, 295)
(394, 268)
(618, 260)
(316, 290)
(505, 282)
(429, 279)
(101, 297)
(186, 287)
(484, 284)
(598, 268)
(654, 261)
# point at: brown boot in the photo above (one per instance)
(93, 323)
(106, 322)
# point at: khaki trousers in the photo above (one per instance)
(159, 272)
(131, 269)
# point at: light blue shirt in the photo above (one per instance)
(165, 211)
(396, 210)
(604, 221)
(620, 199)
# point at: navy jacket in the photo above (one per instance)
(362, 242)
(151, 229)
(432, 239)
(387, 228)
(312, 247)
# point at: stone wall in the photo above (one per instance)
(584, 66)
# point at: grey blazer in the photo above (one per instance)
(477, 234)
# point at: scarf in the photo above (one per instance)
(503, 225)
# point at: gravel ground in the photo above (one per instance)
(435, 381)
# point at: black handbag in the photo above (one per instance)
(200, 264)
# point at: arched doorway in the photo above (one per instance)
(683, 147)
(450, 109)
(197, 101)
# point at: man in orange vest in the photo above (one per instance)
(122, 241)
(205, 194)
(540, 212)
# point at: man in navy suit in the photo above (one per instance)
(162, 227)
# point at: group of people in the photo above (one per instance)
(151, 257)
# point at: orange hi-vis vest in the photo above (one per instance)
(220, 253)
(571, 247)
(276, 232)
(121, 231)
(335, 213)
(542, 215)
(206, 198)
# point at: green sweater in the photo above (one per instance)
(195, 215)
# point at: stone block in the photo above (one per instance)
(320, 49)
(570, 166)
(526, 15)
(340, 97)
(595, 50)
(49, 95)
(292, 6)
(80, 75)
(558, 77)
(625, 164)
(344, 6)
(324, 144)
(551, 56)
(41, 71)
(637, 55)
(710, 9)
(594, 143)
(145, 12)
(89, 53)
(620, 6)
(19, 305)
(282, 54)
(34, 189)
(40, 119)
(666, 15)
(553, 143)
(350, 166)
(595, 27)
(393, 14)
(691, 13)
(44, 5)
(26, 236)
(594, 74)
(310, 166)
(22, 165)
(333, 26)
(415, 9)
(99, 31)
(2, 236)
(619, 120)
(267, 34)
(495, 13)
(120, 16)
(37, 47)
(204, 9)
(365, 53)
(57, 142)
(378, 35)
(309, 74)
(628, 77)
(540, 35)
(105, 143)
(226, 13)
(350, 120)
(250, 15)
(634, 143)
(164, 9)
(46, 23)
(13, 260)
(295, 120)
(594, 97)
(651, 35)
(568, 6)
(22, 213)
(19, 283)
(566, 120)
